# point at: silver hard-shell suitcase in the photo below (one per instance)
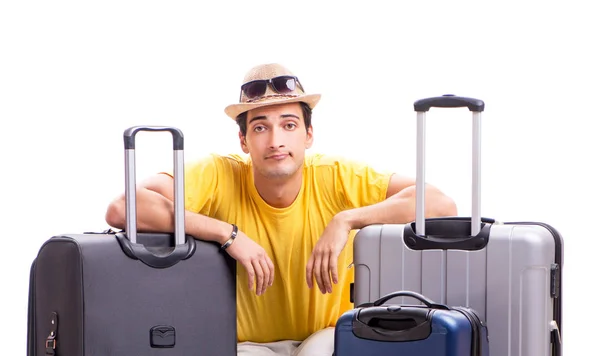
(129, 293)
(509, 272)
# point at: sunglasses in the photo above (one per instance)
(281, 85)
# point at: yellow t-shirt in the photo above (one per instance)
(222, 187)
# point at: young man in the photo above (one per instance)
(294, 216)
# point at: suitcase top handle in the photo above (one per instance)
(428, 302)
(395, 323)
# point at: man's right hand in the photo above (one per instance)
(256, 261)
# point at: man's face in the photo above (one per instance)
(276, 140)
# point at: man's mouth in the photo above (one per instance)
(278, 156)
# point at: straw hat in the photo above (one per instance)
(270, 97)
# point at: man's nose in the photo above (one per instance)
(276, 139)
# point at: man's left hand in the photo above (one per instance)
(322, 264)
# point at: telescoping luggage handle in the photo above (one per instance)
(130, 181)
(476, 106)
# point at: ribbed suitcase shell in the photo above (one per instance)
(513, 282)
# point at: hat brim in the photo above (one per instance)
(234, 110)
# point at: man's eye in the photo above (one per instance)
(258, 128)
(290, 126)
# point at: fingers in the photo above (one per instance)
(256, 261)
(317, 272)
(260, 276)
(325, 277)
(248, 266)
(271, 267)
(267, 274)
(264, 271)
(333, 267)
(323, 268)
(309, 271)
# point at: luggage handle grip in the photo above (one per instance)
(130, 181)
(449, 101)
(129, 135)
(428, 302)
(141, 252)
(394, 323)
(414, 316)
(446, 233)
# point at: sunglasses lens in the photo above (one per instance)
(284, 84)
(254, 89)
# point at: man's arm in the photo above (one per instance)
(155, 212)
(397, 208)
(399, 205)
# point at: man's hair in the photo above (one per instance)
(306, 112)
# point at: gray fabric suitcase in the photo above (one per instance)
(129, 293)
(508, 272)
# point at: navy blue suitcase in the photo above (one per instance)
(399, 329)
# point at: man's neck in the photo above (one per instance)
(279, 193)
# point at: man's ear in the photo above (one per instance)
(243, 143)
(309, 137)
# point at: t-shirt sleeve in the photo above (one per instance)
(200, 182)
(360, 184)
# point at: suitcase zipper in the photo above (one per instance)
(555, 337)
(31, 335)
(555, 283)
(552, 230)
(51, 339)
(476, 326)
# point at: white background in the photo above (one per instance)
(75, 74)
